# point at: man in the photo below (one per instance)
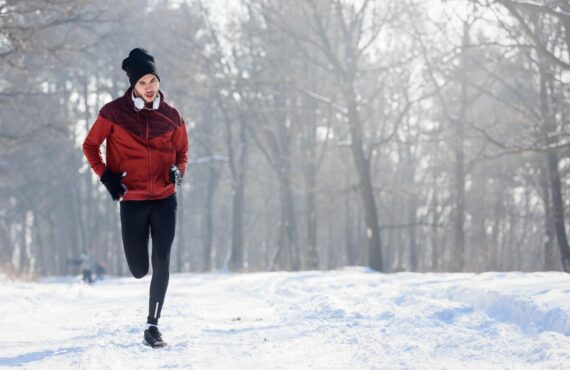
(146, 157)
(86, 266)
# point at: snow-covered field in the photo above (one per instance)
(348, 319)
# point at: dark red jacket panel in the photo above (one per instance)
(144, 144)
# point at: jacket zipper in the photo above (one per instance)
(149, 158)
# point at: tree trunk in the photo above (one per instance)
(558, 209)
(362, 164)
(308, 144)
(412, 232)
(479, 244)
(311, 204)
(287, 255)
(236, 261)
(554, 174)
(549, 255)
(212, 184)
(498, 217)
(457, 262)
(434, 205)
(238, 201)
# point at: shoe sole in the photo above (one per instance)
(154, 346)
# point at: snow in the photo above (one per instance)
(348, 319)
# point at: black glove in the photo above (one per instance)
(175, 176)
(112, 182)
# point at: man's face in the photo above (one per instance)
(147, 87)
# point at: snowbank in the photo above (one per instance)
(354, 318)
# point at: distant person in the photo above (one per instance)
(99, 271)
(86, 266)
(146, 157)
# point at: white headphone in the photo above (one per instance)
(139, 102)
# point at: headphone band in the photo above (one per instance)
(140, 102)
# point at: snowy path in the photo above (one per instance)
(350, 319)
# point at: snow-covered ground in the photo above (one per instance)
(348, 319)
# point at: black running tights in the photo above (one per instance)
(157, 218)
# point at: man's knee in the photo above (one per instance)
(160, 261)
(139, 272)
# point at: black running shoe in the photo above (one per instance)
(153, 337)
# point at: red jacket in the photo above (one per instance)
(144, 144)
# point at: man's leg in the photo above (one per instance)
(135, 227)
(162, 228)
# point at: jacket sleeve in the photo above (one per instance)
(92, 144)
(180, 141)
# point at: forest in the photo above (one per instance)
(401, 135)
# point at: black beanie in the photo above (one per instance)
(139, 63)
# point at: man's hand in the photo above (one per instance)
(112, 182)
(175, 176)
